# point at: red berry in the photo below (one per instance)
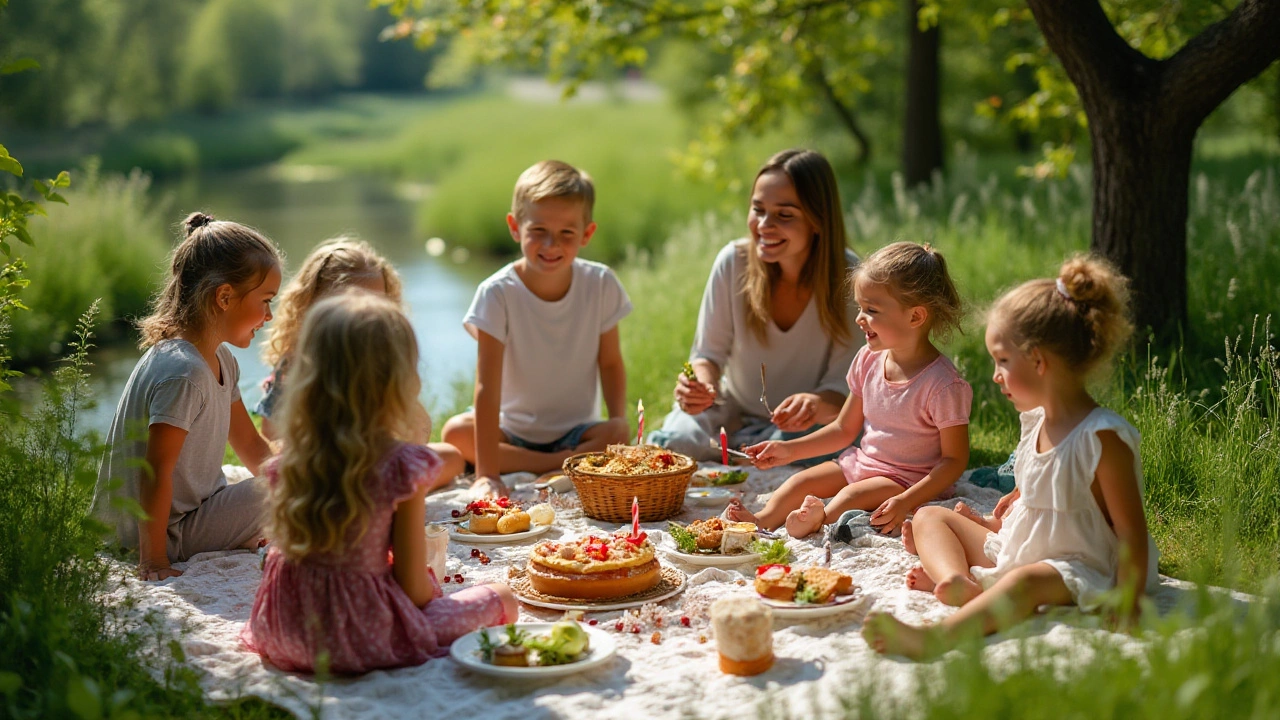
(447, 578)
(592, 621)
(618, 626)
(475, 552)
(484, 559)
(458, 578)
(684, 620)
(635, 630)
(455, 513)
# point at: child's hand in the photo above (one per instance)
(1006, 502)
(891, 514)
(694, 396)
(769, 454)
(796, 413)
(156, 570)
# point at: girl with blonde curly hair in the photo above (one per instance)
(333, 267)
(348, 492)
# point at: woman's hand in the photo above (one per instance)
(890, 515)
(156, 570)
(1006, 502)
(694, 396)
(796, 413)
(769, 454)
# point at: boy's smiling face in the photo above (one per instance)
(551, 233)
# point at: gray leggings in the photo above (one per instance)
(230, 518)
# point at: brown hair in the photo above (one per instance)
(553, 179)
(917, 276)
(1082, 316)
(212, 253)
(824, 270)
(334, 265)
(353, 393)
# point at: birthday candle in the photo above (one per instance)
(640, 412)
(635, 517)
(724, 447)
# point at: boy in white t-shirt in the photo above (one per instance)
(547, 325)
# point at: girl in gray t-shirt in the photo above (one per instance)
(161, 483)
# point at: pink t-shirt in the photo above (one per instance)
(901, 420)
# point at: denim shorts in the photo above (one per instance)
(568, 441)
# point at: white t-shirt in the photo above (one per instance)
(550, 363)
(801, 359)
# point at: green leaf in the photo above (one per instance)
(23, 235)
(10, 682)
(82, 698)
(9, 165)
(19, 65)
(63, 180)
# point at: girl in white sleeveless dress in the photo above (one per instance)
(1073, 530)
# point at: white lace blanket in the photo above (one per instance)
(675, 677)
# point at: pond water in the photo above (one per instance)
(302, 207)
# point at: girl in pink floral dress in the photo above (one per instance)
(346, 588)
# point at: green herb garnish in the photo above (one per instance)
(688, 371)
(685, 540)
(515, 636)
(486, 645)
(773, 552)
(729, 477)
(807, 594)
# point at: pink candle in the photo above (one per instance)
(640, 430)
(724, 447)
(635, 517)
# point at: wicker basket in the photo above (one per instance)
(608, 497)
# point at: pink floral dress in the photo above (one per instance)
(348, 607)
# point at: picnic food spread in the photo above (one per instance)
(811, 586)
(632, 460)
(504, 516)
(565, 643)
(713, 535)
(744, 635)
(594, 567)
(705, 478)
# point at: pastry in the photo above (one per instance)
(826, 584)
(708, 532)
(777, 582)
(511, 655)
(594, 567)
(737, 537)
(513, 522)
(744, 635)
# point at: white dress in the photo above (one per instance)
(1056, 520)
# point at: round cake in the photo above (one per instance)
(593, 568)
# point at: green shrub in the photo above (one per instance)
(161, 153)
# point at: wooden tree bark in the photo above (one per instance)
(1143, 117)
(922, 124)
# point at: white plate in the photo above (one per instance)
(708, 496)
(466, 652)
(459, 534)
(711, 559)
(791, 610)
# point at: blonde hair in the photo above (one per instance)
(916, 275)
(212, 253)
(334, 265)
(553, 179)
(1082, 316)
(353, 393)
(825, 268)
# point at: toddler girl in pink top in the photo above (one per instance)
(906, 400)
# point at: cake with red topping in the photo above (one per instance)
(595, 567)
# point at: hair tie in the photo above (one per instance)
(1062, 290)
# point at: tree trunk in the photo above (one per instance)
(818, 76)
(922, 126)
(1143, 116)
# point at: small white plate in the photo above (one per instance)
(707, 496)
(466, 652)
(791, 610)
(712, 559)
(462, 535)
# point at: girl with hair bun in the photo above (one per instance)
(182, 405)
(1073, 530)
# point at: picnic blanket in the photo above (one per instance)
(676, 676)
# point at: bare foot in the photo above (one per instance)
(737, 512)
(918, 579)
(807, 519)
(908, 537)
(957, 590)
(488, 487)
(890, 636)
(989, 523)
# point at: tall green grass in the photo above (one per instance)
(108, 244)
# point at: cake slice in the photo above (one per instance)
(826, 583)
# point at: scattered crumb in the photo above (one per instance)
(655, 638)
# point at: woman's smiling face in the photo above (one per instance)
(779, 229)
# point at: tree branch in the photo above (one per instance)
(818, 76)
(1098, 61)
(1201, 75)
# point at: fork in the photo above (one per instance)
(764, 400)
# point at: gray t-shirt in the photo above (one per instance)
(801, 359)
(171, 384)
(550, 359)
